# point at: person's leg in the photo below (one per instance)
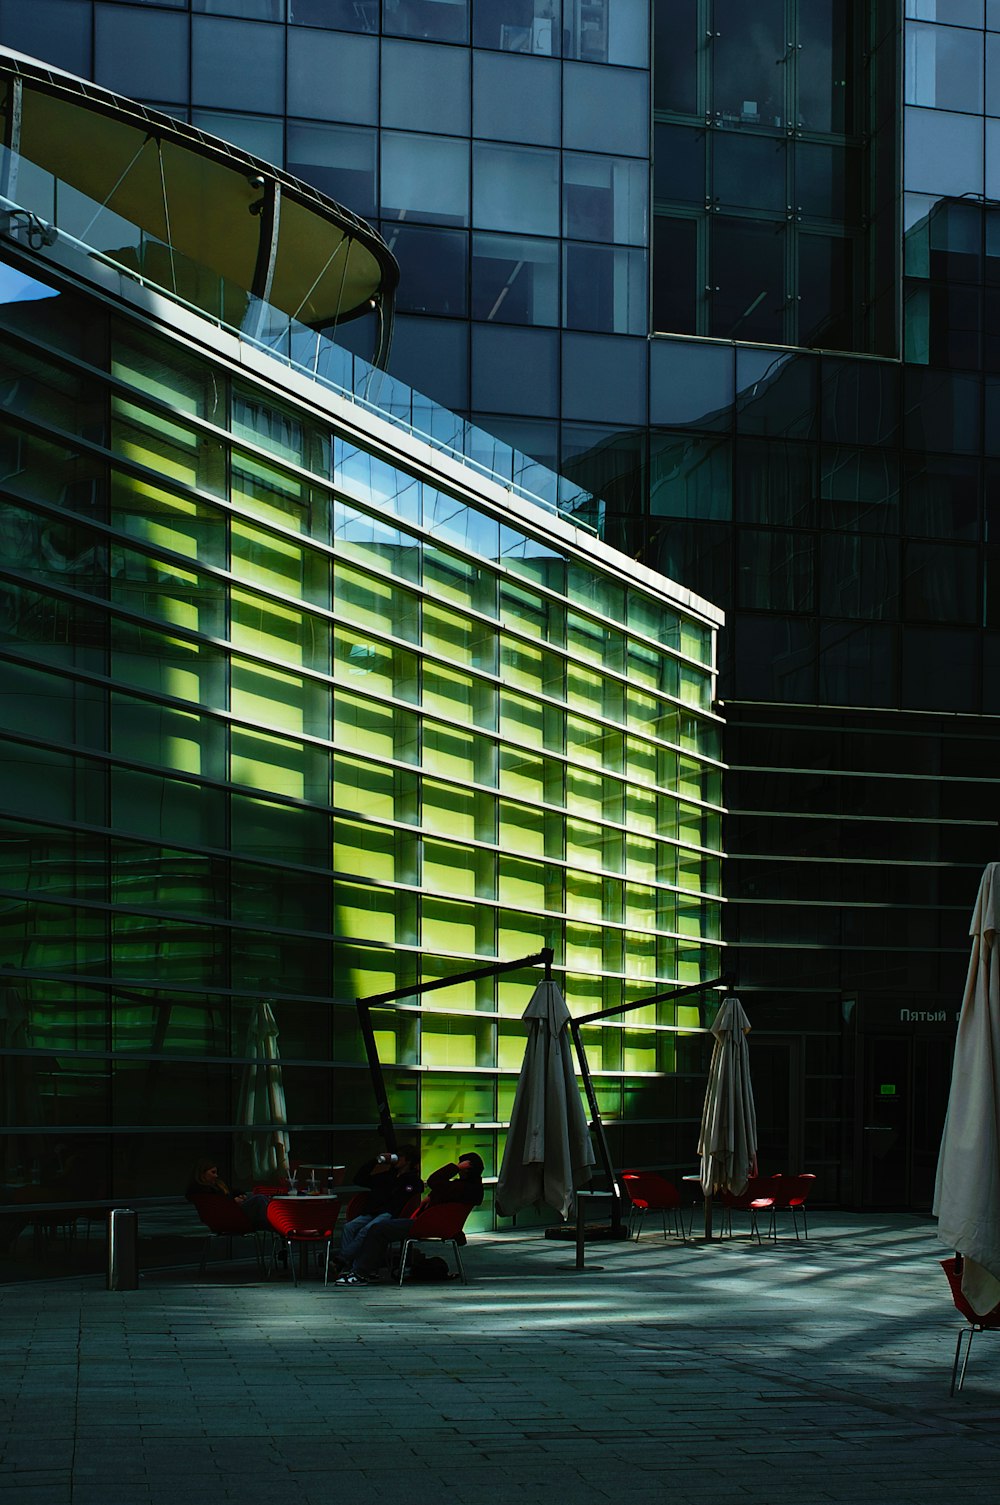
(374, 1249)
(353, 1235)
(255, 1207)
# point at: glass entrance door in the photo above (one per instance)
(905, 1096)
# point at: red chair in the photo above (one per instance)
(989, 1322)
(648, 1191)
(226, 1219)
(304, 1221)
(442, 1221)
(790, 1193)
(757, 1197)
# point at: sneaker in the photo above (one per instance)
(350, 1279)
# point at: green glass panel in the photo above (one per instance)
(279, 564)
(641, 811)
(521, 720)
(278, 632)
(167, 665)
(162, 371)
(450, 869)
(449, 1100)
(375, 544)
(153, 514)
(259, 489)
(448, 811)
(450, 1045)
(264, 828)
(148, 877)
(449, 752)
(261, 895)
(38, 470)
(145, 946)
(448, 927)
(164, 808)
(640, 858)
(375, 668)
(364, 787)
(375, 603)
(277, 701)
(523, 883)
(522, 829)
(179, 597)
(359, 848)
(34, 387)
(175, 451)
(585, 845)
(181, 741)
(465, 582)
(278, 766)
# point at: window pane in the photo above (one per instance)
(238, 65)
(430, 20)
(515, 188)
(432, 263)
(748, 280)
(749, 61)
(679, 165)
(338, 160)
(607, 31)
(425, 177)
(605, 110)
(944, 67)
(515, 281)
(516, 99)
(676, 295)
(605, 289)
(141, 55)
(675, 44)
(337, 15)
(425, 88)
(605, 198)
(333, 77)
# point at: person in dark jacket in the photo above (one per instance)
(461, 1182)
(392, 1180)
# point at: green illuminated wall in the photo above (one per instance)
(284, 718)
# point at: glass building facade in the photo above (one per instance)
(732, 269)
(297, 705)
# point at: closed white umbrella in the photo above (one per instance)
(548, 1152)
(967, 1189)
(728, 1141)
(265, 1148)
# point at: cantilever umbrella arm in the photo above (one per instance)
(597, 1123)
(416, 990)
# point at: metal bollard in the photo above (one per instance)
(123, 1249)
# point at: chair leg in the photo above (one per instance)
(402, 1258)
(326, 1267)
(968, 1350)
(458, 1261)
(291, 1261)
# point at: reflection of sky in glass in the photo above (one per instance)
(16, 287)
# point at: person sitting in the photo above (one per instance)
(206, 1182)
(392, 1179)
(455, 1182)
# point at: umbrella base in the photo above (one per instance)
(592, 1232)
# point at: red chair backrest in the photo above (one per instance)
(797, 1188)
(651, 1189)
(952, 1269)
(303, 1217)
(439, 1220)
(760, 1191)
(221, 1215)
(355, 1206)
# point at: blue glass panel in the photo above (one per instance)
(432, 356)
(677, 289)
(515, 280)
(605, 198)
(429, 20)
(857, 664)
(691, 386)
(58, 30)
(605, 288)
(942, 153)
(605, 110)
(250, 10)
(238, 65)
(515, 188)
(955, 12)
(679, 153)
(433, 269)
(338, 160)
(941, 411)
(940, 669)
(516, 99)
(944, 67)
(599, 32)
(604, 378)
(142, 55)
(676, 39)
(517, 26)
(425, 88)
(425, 178)
(333, 77)
(748, 172)
(515, 370)
(336, 15)
(259, 134)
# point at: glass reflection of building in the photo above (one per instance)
(795, 198)
(309, 689)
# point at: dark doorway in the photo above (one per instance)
(904, 1096)
(776, 1072)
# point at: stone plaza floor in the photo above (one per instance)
(801, 1372)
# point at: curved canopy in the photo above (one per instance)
(205, 221)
